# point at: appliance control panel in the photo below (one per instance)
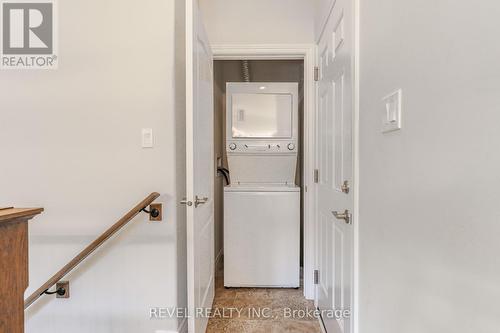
(289, 146)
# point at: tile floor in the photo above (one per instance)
(261, 310)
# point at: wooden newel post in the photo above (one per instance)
(14, 266)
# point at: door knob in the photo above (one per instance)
(186, 202)
(346, 216)
(345, 187)
(200, 201)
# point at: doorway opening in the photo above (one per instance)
(259, 71)
(253, 301)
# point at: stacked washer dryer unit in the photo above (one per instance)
(262, 203)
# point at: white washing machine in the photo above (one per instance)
(262, 204)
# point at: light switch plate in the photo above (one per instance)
(147, 138)
(391, 113)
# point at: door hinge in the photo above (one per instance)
(316, 73)
(316, 176)
(316, 276)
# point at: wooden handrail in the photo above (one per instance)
(90, 249)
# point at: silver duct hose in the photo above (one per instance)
(245, 70)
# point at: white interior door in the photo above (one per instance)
(200, 169)
(335, 164)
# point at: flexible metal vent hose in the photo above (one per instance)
(245, 70)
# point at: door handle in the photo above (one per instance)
(186, 202)
(345, 187)
(346, 216)
(200, 201)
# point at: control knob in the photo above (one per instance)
(291, 146)
(232, 146)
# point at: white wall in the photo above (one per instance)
(429, 220)
(70, 140)
(259, 21)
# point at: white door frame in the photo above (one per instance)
(356, 135)
(306, 52)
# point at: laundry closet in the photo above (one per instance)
(258, 145)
